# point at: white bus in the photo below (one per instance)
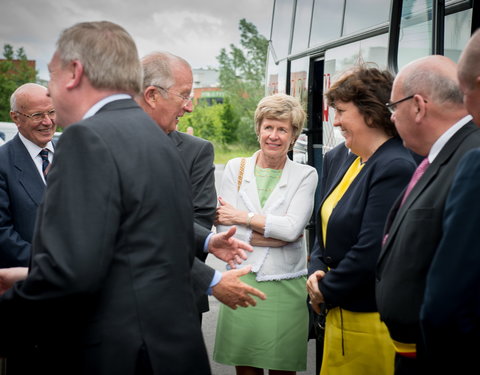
(312, 41)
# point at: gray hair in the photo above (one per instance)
(157, 69)
(433, 84)
(107, 52)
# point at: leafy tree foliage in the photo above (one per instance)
(14, 71)
(242, 77)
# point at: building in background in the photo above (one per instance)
(206, 87)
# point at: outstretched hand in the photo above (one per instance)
(316, 296)
(233, 292)
(227, 248)
(9, 276)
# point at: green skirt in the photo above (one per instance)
(272, 335)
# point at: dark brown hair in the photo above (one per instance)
(369, 89)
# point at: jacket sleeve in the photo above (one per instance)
(358, 266)
(202, 177)
(290, 226)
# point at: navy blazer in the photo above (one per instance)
(197, 155)
(355, 227)
(451, 306)
(414, 232)
(21, 191)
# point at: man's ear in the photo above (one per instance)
(420, 106)
(150, 96)
(76, 71)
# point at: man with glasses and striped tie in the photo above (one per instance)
(24, 163)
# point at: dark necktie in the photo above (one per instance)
(45, 162)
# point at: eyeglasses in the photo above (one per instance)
(185, 99)
(393, 106)
(39, 116)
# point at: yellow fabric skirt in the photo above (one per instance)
(356, 344)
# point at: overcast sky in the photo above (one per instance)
(193, 29)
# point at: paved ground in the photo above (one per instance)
(209, 327)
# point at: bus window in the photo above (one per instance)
(298, 79)
(301, 28)
(415, 31)
(377, 13)
(326, 21)
(337, 60)
(282, 20)
(457, 33)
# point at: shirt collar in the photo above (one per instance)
(32, 148)
(445, 137)
(97, 106)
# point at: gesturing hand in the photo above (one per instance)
(9, 276)
(227, 248)
(233, 292)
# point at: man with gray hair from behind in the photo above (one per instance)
(109, 288)
(450, 314)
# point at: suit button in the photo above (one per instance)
(328, 260)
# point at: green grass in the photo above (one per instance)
(225, 153)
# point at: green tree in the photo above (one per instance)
(14, 71)
(242, 77)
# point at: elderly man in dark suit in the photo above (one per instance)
(167, 85)
(109, 288)
(22, 179)
(430, 116)
(450, 314)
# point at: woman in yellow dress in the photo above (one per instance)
(359, 185)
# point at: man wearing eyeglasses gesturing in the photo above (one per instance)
(23, 171)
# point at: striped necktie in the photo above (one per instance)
(44, 155)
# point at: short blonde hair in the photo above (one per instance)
(281, 107)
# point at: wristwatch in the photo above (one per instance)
(249, 218)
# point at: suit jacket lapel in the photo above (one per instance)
(397, 213)
(26, 172)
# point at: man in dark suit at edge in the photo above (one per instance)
(450, 315)
(167, 85)
(108, 291)
(430, 116)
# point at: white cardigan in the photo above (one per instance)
(287, 212)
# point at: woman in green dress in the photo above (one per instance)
(270, 200)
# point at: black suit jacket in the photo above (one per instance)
(109, 289)
(198, 156)
(414, 231)
(21, 191)
(355, 226)
(450, 314)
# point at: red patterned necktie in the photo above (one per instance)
(422, 167)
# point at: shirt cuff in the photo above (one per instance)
(216, 279)
(207, 242)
